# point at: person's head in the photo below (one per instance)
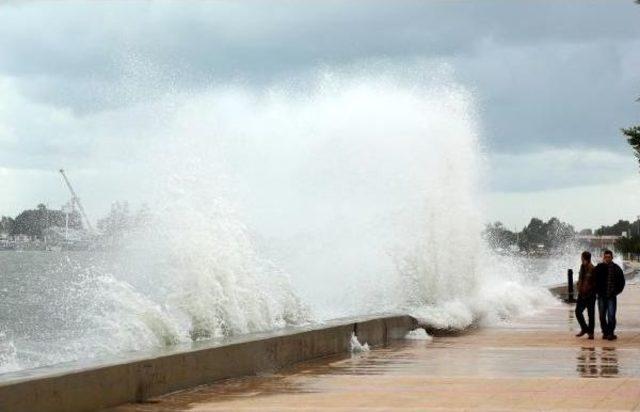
(586, 257)
(607, 256)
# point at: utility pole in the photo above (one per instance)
(75, 199)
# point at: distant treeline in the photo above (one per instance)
(34, 222)
(632, 229)
(538, 236)
(554, 235)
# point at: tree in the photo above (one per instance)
(616, 229)
(558, 233)
(635, 228)
(628, 244)
(117, 221)
(499, 237)
(6, 224)
(633, 138)
(550, 236)
(532, 235)
(33, 222)
(120, 223)
(633, 132)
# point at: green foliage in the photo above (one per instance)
(6, 224)
(33, 222)
(628, 244)
(117, 221)
(633, 133)
(549, 236)
(539, 236)
(553, 234)
(618, 228)
(532, 235)
(499, 237)
(633, 138)
(120, 221)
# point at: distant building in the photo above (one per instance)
(5, 241)
(597, 243)
(21, 242)
(21, 238)
(56, 238)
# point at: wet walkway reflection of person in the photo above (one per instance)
(597, 362)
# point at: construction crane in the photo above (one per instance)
(75, 199)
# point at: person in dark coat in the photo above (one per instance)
(586, 296)
(609, 283)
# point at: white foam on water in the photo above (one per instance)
(356, 346)
(8, 357)
(418, 334)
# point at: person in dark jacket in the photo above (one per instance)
(609, 283)
(586, 296)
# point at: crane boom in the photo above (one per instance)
(76, 200)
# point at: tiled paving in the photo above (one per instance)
(533, 363)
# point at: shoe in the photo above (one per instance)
(612, 337)
(590, 336)
(605, 337)
(582, 333)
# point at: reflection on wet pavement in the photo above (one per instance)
(602, 363)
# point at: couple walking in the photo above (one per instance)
(601, 283)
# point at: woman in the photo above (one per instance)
(586, 296)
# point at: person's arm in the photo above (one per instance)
(621, 280)
(581, 275)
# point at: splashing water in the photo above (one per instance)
(8, 358)
(359, 194)
(418, 334)
(356, 346)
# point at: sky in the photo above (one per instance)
(553, 83)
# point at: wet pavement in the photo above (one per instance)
(532, 363)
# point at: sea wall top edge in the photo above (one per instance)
(51, 371)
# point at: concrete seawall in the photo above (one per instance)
(136, 379)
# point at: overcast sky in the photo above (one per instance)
(554, 81)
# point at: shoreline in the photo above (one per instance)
(140, 375)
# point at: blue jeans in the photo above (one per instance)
(607, 311)
(588, 303)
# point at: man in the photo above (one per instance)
(586, 296)
(609, 283)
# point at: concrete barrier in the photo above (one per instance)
(77, 388)
(560, 290)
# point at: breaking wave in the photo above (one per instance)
(354, 194)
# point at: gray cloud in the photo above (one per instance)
(546, 74)
(555, 168)
(537, 67)
(79, 40)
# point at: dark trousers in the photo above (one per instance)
(588, 303)
(607, 311)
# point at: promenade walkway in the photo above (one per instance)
(532, 363)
